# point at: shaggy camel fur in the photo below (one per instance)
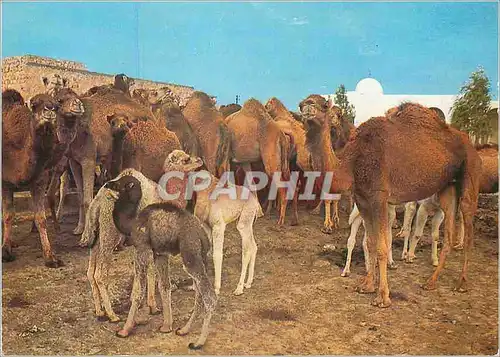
(217, 212)
(165, 106)
(489, 175)
(159, 230)
(321, 121)
(104, 224)
(227, 110)
(93, 143)
(355, 221)
(122, 83)
(255, 137)
(140, 144)
(383, 171)
(210, 131)
(29, 142)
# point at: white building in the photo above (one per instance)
(369, 101)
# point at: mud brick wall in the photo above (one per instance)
(24, 74)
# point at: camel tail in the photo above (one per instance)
(222, 155)
(354, 214)
(285, 146)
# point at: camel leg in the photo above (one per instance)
(328, 224)
(295, 206)
(77, 172)
(205, 300)
(468, 207)
(447, 200)
(366, 252)
(248, 250)
(367, 286)
(162, 265)
(422, 215)
(351, 242)
(63, 191)
(282, 205)
(410, 209)
(88, 177)
(335, 214)
(461, 231)
(7, 218)
(138, 291)
(436, 223)
(151, 287)
(100, 276)
(38, 197)
(317, 209)
(93, 284)
(392, 218)
(218, 245)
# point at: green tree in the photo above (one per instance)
(341, 101)
(470, 109)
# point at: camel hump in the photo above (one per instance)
(414, 113)
(255, 109)
(11, 97)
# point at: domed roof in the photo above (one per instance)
(369, 86)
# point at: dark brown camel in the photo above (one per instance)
(29, 143)
(210, 130)
(140, 144)
(255, 137)
(122, 83)
(381, 170)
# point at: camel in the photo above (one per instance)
(255, 137)
(210, 131)
(489, 176)
(140, 144)
(29, 143)
(323, 125)
(161, 230)
(217, 210)
(377, 165)
(227, 110)
(165, 106)
(54, 83)
(122, 83)
(93, 143)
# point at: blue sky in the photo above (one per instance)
(265, 49)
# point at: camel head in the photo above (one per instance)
(11, 97)
(178, 160)
(274, 107)
(44, 108)
(70, 112)
(121, 123)
(315, 110)
(123, 82)
(126, 188)
(54, 83)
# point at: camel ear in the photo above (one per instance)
(45, 81)
(65, 82)
(329, 103)
(110, 117)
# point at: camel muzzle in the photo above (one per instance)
(76, 107)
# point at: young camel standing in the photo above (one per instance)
(219, 211)
(378, 166)
(161, 230)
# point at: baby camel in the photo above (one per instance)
(160, 230)
(217, 209)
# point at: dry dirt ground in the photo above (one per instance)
(298, 303)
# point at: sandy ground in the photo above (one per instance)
(298, 303)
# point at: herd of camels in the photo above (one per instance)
(406, 155)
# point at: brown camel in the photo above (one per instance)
(29, 142)
(165, 106)
(377, 164)
(210, 130)
(140, 144)
(489, 175)
(326, 135)
(255, 137)
(227, 110)
(122, 83)
(93, 143)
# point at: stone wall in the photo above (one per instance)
(24, 74)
